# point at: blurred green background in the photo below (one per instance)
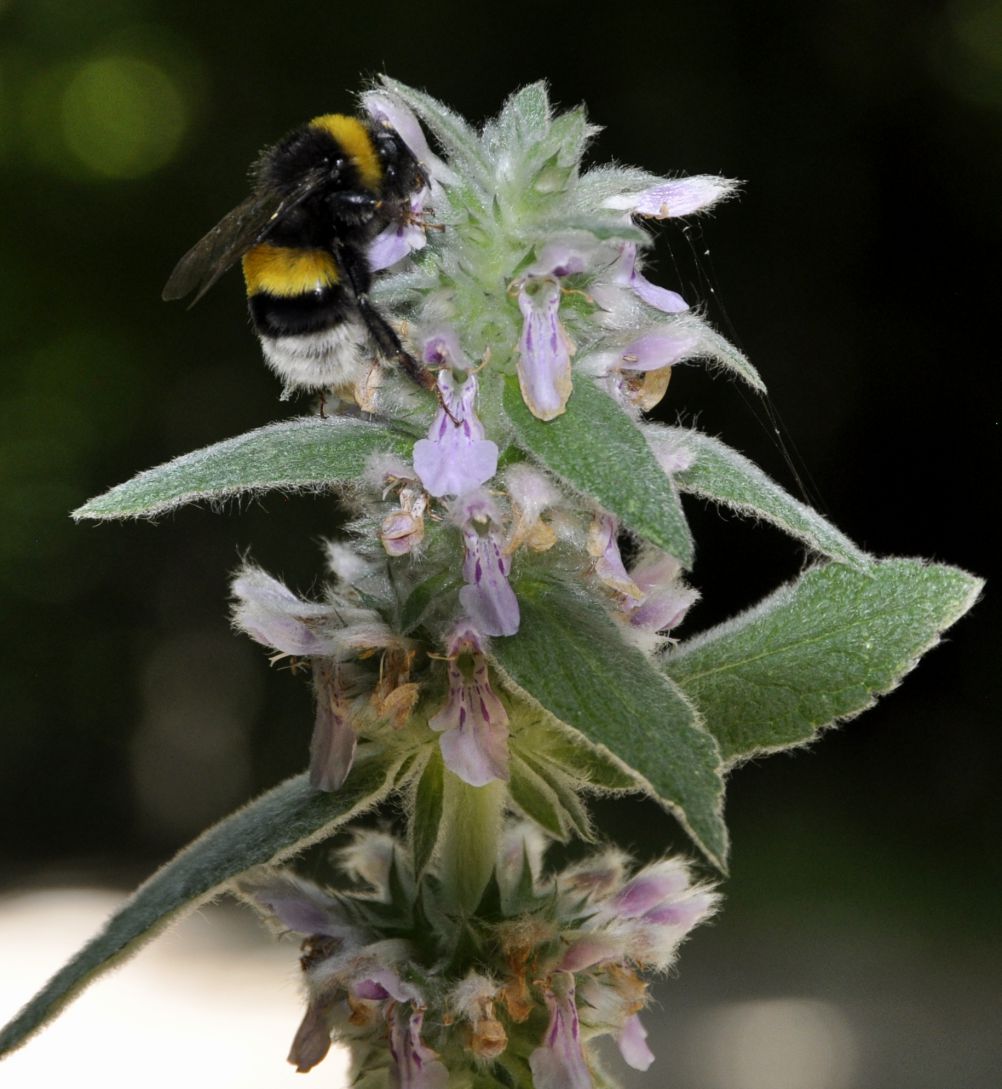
(852, 271)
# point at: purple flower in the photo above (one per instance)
(398, 240)
(475, 740)
(632, 1041)
(559, 1063)
(626, 275)
(456, 457)
(666, 599)
(295, 904)
(545, 350)
(415, 1065)
(487, 598)
(544, 362)
(603, 547)
(313, 1037)
(650, 888)
(638, 372)
(271, 614)
(673, 198)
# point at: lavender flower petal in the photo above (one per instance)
(455, 457)
(559, 1063)
(415, 1065)
(475, 742)
(488, 598)
(677, 197)
(632, 1041)
(544, 362)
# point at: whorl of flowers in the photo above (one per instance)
(551, 960)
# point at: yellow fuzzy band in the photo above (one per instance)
(354, 138)
(280, 270)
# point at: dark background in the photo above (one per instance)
(853, 271)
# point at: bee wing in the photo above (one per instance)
(244, 227)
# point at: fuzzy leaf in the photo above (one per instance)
(427, 595)
(310, 452)
(817, 651)
(426, 819)
(724, 476)
(534, 796)
(722, 353)
(573, 814)
(273, 827)
(569, 658)
(523, 122)
(598, 450)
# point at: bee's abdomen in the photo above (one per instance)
(293, 291)
(287, 271)
(277, 315)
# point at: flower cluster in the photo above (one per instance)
(559, 961)
(495, 644)
(527, 303)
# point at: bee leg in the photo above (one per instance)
(379, 328)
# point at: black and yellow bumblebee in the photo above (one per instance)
(320, 196)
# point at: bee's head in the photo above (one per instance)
(402, 173)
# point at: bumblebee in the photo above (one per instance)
(320, 196)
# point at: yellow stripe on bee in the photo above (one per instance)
(285, 271)
(354, 138)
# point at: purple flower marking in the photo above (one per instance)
(544, 362)
(415, 1065)
(475, 740)
(650, 888)
(455, 457)
(487, 597)
(559, 1063)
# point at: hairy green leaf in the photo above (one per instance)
(570, 658)
(426, 818)
(534, 796)
(599, 451)
(273, 827)
(311, 452)
(573, 814)
(817, 651)
(724, 476)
